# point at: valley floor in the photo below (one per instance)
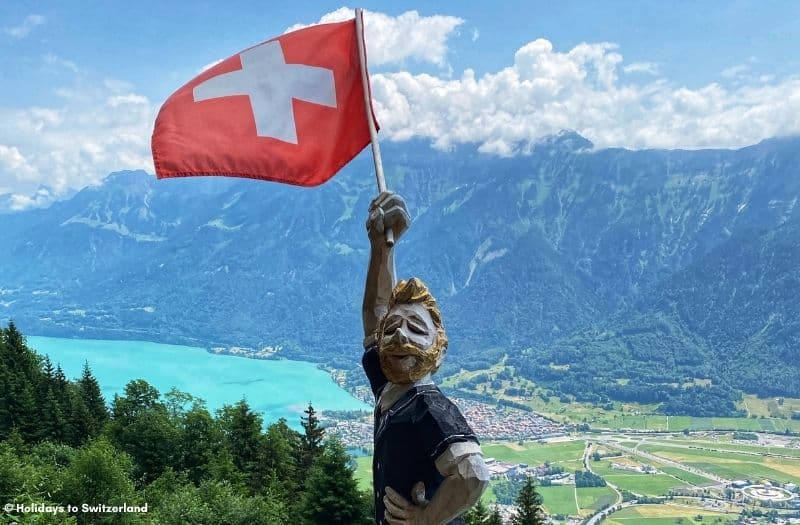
(652, 479)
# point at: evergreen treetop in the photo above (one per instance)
(477, 515)
(529, 506)
(331, 493)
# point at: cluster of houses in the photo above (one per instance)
(506, 423)
(640, 468)
(488, 421)
(501, 470)
(353, 434)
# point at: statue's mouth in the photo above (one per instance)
(402, 361)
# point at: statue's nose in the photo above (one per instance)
(400, 335)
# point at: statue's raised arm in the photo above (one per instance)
(427, 464)
(387, 211)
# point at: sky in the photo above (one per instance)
(84, 80)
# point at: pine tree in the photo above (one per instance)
(494, 517)
(142, 427)
(5, 412)
(529, 506)
(242, 428)
(13, 338)
(50, 419)
(93, 400)
(331, 496)
(52, 423)
(79, 424)
(477, 515)
(47, 368)
(311, 440)
(43, 397)
(21, 382)
(63, 390)
(281, 447)
(201, 440)
(22, 407)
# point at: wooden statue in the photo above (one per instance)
(427, 466)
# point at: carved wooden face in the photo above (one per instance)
(407, 347)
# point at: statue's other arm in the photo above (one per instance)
(465, 479)
(388, 210)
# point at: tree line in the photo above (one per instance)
(60, 445)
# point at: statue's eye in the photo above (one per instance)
(391, 326)
(416, 329)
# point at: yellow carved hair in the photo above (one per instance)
(415, 291)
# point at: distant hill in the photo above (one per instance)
(602, 273)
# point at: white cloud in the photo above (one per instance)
(40, 198)
(396, 38)
(475, 34)
(11, 159)
(648, 68)
(97, 128)
(128, 98)
(24, 29)
(734, 71)
(545, 91)
(54, 60)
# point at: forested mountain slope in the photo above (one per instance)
(661, 266)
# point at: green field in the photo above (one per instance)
(644, 418)
(535, 453)
(363, 473)
(559, 500)
(571, 466)
(636, 416)
(734, 461)
(732, 447)
(647, 484)
(751, 471)
(769, 407)
(688, 477)
(667, 515)
(679, 423)
(732, 465)
(678, 520)
(566, 453)
(595, 498)
(604, 468)
(615, 420)
(768, 415)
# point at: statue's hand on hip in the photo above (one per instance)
(400, 511)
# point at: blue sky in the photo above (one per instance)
(84, 80)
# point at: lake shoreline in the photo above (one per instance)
(277, 386)
(267, 353)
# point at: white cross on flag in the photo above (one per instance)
(289, 110)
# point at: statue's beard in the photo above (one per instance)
(405, 362)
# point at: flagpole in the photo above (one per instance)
(373, 133)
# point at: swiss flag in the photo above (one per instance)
(289, 110)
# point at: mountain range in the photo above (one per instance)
(601, 273)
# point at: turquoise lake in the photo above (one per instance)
(275, 388)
